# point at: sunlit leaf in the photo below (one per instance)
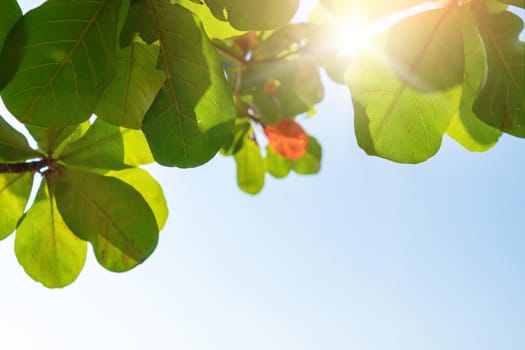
(14, 193)
(13, 145)
(310, 162)
(106, 146)
(250, 167)
(277, 165)
(287, 138)
(98, 208)
(517, 3)
(254, 14)
(60, 56)
(234, 143)
(426, 50)
(465, 127)
(149, 188)
(47, 249)
(132, 91)
(391, 119)
(10, 14)
(193, 114)
(501, 101)
(214, 27)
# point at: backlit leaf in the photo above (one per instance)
(98, 208)
(214, 27)
(132, 91)
(501, 101)
(426, 50)
(106, 146)
(52, 140)
(193, 114)
(47, 249)
(14, 193)
(58, 59)
(391, 119)
(13, 145)
(254, 14)
(287, 138)
(250, 167)
(310, 162)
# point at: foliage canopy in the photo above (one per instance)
(176, 82)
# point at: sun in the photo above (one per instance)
(353, 36)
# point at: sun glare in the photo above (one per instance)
(354, 35)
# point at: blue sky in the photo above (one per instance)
(367, 255)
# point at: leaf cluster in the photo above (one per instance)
(106, 86)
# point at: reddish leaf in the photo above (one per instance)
(287, 138)
(271, 87)
(247, 42)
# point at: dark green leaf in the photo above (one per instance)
(10, 14)
(102, 209)
(52, 140)
(128, 97)
(234, 143)
(14, 193)
(465, 127)
(193, 114)
(60, 57)
(501, 101)
(106, 146)
(13, 145)
(47, 249)
(254, 14)
(251, 167)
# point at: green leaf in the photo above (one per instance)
(426, 50)
(254, 14)
(465, 127)
(277, 165)
(214, 27)
(47, 249)
(310, 163)
(106, 146)
(102, 209)
(193, 114)
(517, 3)
(299, 88)
(10, 14)
(283, 41)
(391, 119)
(51, 141)
(149, 188)
(501, 101)
(251, 167)
(13, 145)
(234, 143)
(58, 59)
(128, 97)
(14, 193)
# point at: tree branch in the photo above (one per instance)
(24, 166)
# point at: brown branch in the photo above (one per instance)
(24, 166)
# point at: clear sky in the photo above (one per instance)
(367, 255)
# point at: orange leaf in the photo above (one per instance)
(287, 138)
